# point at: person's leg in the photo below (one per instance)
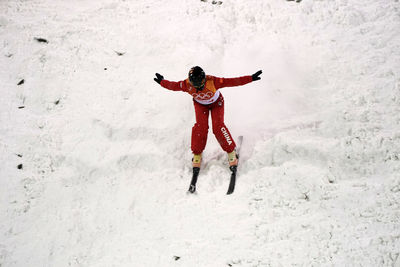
(220, 130)
(199, 132)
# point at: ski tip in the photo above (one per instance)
(192, 189)
(231, 188)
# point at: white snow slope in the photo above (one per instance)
(105, 151)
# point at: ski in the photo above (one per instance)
(233, 169)
(232, 182)
(192, 187)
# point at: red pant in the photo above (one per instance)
(200, 129)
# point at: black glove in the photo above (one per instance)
(159, 78)
(256, 76)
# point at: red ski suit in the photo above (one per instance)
(206, 100)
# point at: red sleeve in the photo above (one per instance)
(229, 82)
(174, 86)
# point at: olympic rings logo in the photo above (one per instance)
(203, 96)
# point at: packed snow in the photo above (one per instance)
(95, 156)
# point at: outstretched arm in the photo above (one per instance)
(174, 86)
(229, 82)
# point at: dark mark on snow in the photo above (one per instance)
(57, 102)
(41, 40)
(213, 2)
(21, 82)
(19, 155)
(20, 166)
(176, 258)
(21, 107)
(119, 53)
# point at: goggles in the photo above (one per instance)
(198, 84)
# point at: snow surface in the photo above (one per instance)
(104, 152)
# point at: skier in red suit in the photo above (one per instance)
(207, 98)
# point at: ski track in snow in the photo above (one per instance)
(104, 152)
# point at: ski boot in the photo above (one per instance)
(233, 160)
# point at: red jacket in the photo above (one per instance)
(210, 92)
